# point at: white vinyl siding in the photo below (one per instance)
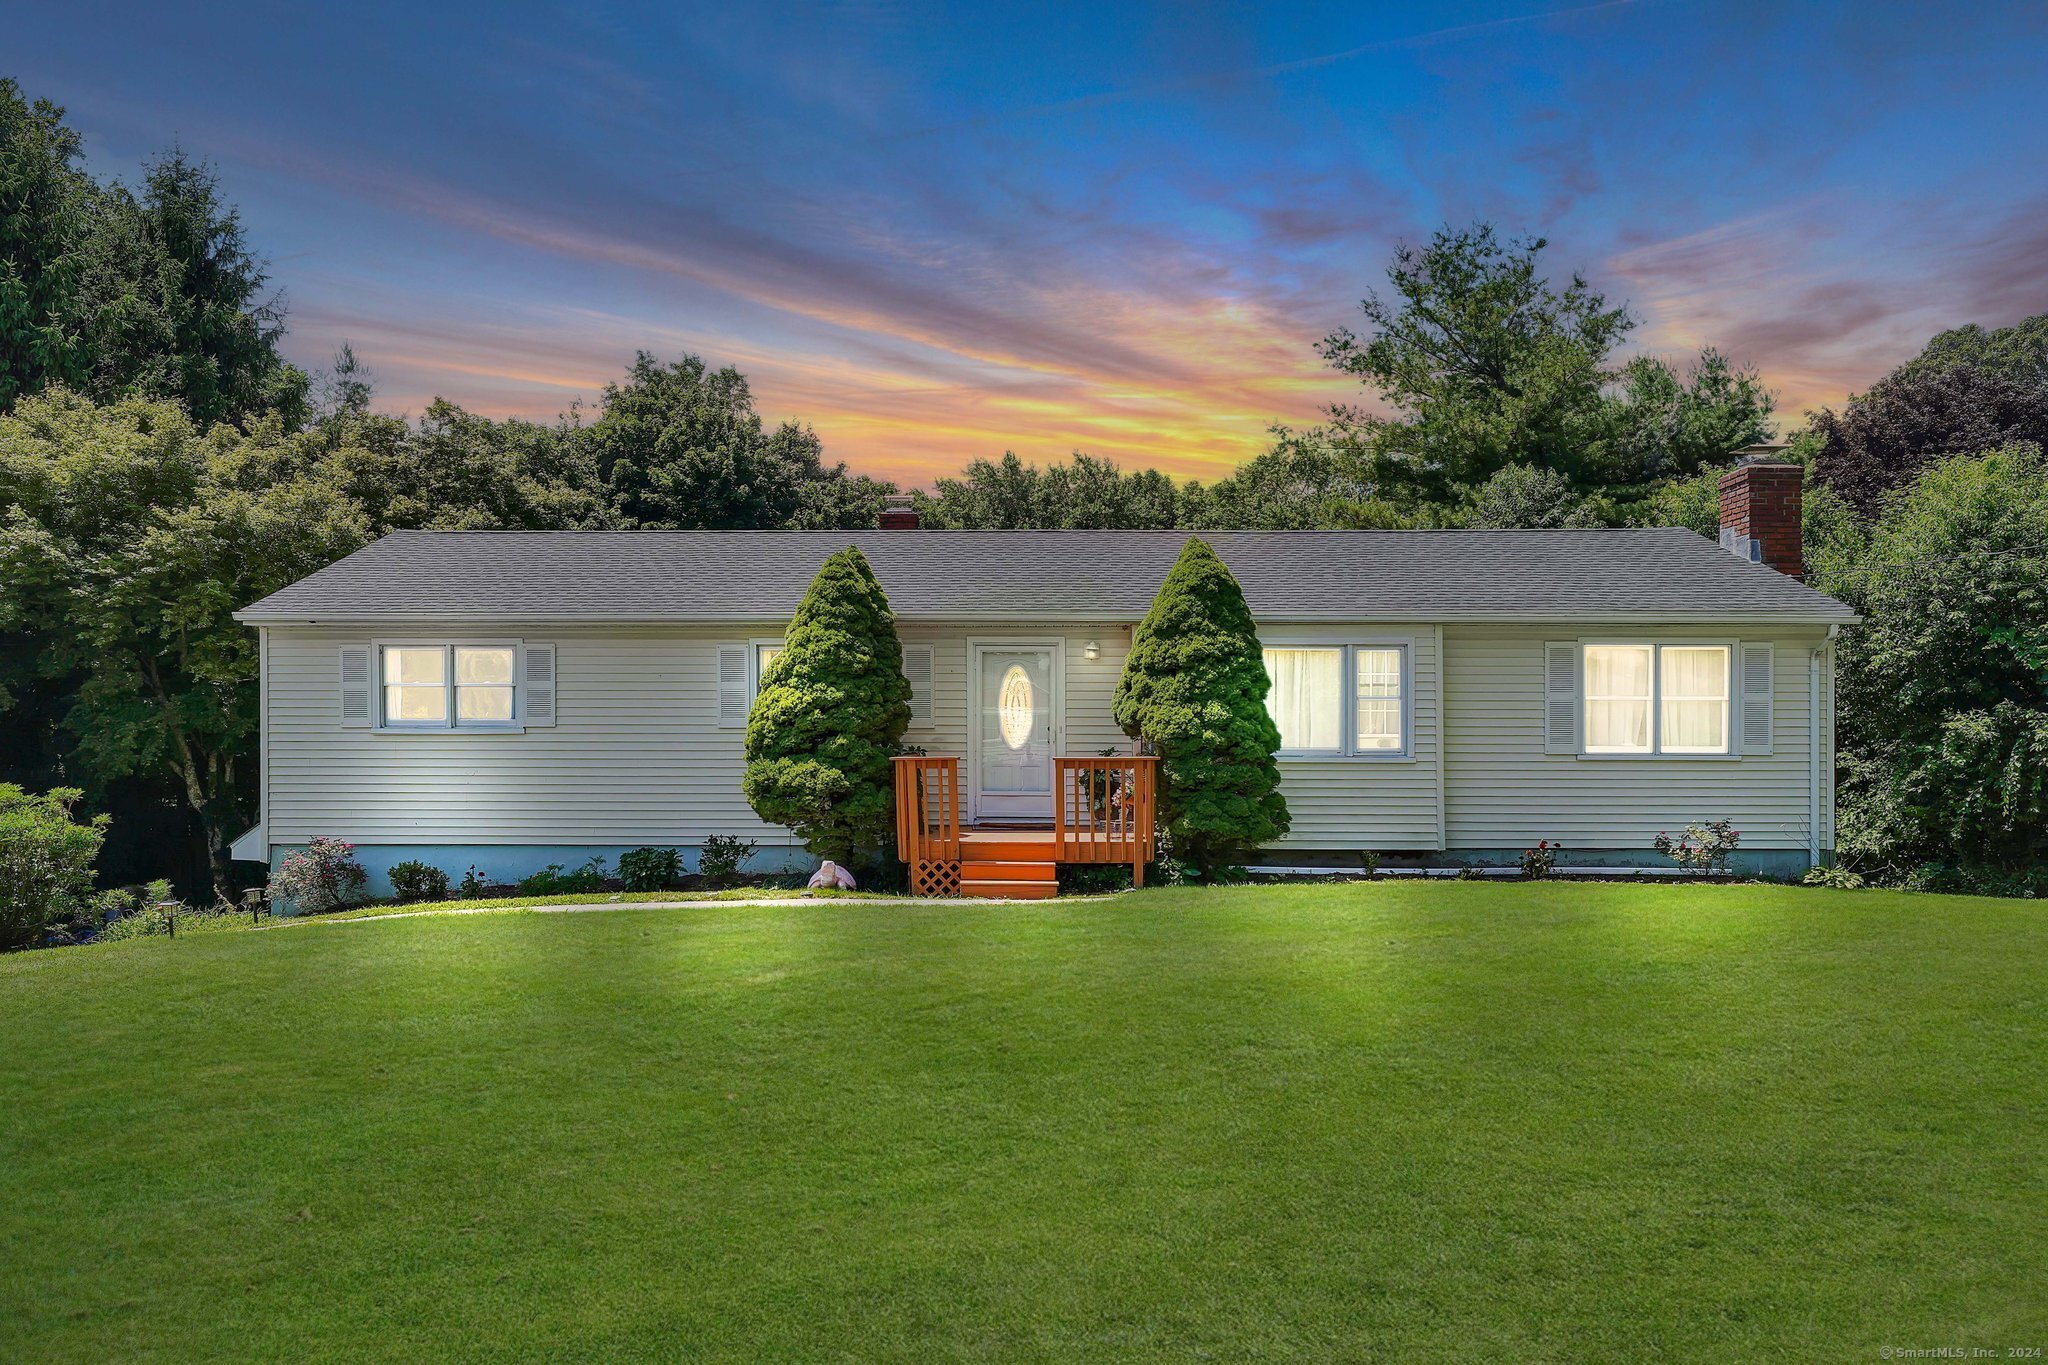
(637, 753)
(1342, 801)
(1503, 791)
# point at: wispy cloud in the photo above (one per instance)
(1233, 76)
(1110, 229)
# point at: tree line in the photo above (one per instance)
(161, 464)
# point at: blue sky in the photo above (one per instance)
(937, 232)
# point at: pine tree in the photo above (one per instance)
(1194, 688)
(43, 203)
(830, 714)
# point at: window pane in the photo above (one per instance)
(1379, 698)
(1695, 727)
(1695, 691)
(1617, 671)
(1696, 671)
(764, 655)
(483, 666)
(1307, 699)
(1618, 699)
(1379, 724)
(415, 705)
(1379, 672)
(483, 703)
(415, 665)
(1618, 726)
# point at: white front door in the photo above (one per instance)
(1015, 730)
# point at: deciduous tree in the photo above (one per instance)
(1944, 686)
(1083, 493)
(1884, 437)
(1484, 362)
(123, 555)
(680, 446)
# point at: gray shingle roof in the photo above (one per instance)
(1058, 575)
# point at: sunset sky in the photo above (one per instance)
(939, 232)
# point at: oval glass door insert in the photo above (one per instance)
(1016, 708)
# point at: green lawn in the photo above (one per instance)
(1475, 1121)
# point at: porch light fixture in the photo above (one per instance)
(1092, 650)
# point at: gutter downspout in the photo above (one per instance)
(1814, 735)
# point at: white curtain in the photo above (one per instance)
(1306, 700)
(1617, 698)
(1695, 710)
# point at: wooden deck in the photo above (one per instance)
(1102, 813)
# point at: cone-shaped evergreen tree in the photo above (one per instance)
(829, 716)
(1194, 688)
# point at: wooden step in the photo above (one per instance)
(982, 870)
(1007, 848)
(997, 889)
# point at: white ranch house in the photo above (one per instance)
(515, 699)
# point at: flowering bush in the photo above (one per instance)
(323, 876)
(1704, 847)
(1540, 861)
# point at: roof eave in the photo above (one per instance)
(1689, 616)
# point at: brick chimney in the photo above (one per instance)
(898, 514)
(1760, 509)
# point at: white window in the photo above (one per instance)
(1618, 686)
(1694, 681)
(483, 685)
(764, 655)
(1307, 699)
(1380, 700)
(1656, 699)
(415, 685)
(1339, 699)
(440, 687)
